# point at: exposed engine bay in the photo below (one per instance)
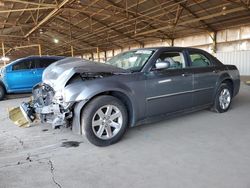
(49, 108)
(45, 108)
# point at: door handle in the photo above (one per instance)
(215, 71)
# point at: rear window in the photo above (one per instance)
(43, 63)
(199, 60)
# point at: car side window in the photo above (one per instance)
(199, 60)
(176, 59)
(24, 65)
(43, 63)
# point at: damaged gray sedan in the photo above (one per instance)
(101, 100)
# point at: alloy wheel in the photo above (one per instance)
(224, 98)
(107, 122)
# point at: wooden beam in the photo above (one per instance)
(196, 16)
(48, 17)
(31, 3)
(25, 9)
(113, 29)
(30, 46)
(135, 17)
(114, 25)
(136, 14)
(193, 20)
(241, 3)
(12, 36)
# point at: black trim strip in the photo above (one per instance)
(178, 93)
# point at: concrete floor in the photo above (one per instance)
(203, 149)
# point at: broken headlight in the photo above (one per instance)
(59, 95)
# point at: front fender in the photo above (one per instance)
(88, 89)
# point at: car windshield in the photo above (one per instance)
(131, 60)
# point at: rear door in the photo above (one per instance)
(22, 75)
(169, 90)
(205, 77)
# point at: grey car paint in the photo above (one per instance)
(148, 94)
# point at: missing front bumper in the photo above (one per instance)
(42, 108)
(22, 116)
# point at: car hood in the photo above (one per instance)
(57, 74)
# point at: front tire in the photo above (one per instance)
(104, 120)
(2, 92)
(223, 98)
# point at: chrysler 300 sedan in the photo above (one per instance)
(101, 100)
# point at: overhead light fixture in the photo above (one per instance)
(4, 58)
(41, 31)
(223, 10)
(1, 4)
(56, 41)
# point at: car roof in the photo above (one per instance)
(43, 56)
(36, 57)
(168, 48)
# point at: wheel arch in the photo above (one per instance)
(224, 78)
(3, 85)
(122, 96)
(230, 83)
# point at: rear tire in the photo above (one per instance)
(2, 92)
(223, 98)
(104, 120)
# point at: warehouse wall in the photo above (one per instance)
(239, 58)
(233, 47)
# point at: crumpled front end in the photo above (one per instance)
(62, 90)
(46, 106)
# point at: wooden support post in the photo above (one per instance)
(172, 42)
(98, 53)
(3, 53)
(105, 55)
(39, 50)
(72, 51)
(214, 44)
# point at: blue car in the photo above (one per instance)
(22, 74)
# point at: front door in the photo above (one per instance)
(169, 90)
(22, 75)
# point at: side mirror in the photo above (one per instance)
(162, 65)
